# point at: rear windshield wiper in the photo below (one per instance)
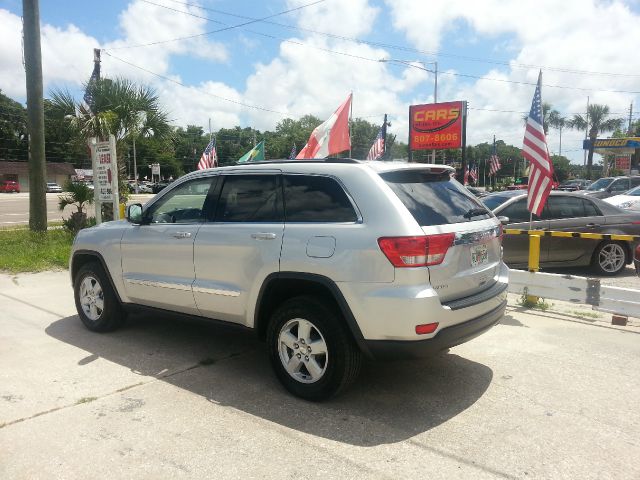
(474, 212)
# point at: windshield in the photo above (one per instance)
(494, 201)
(600, 184)
(634, 192)
(434, 199)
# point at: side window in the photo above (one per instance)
(309, 198)
(620, 185)
(250, 198)
(590, 210)
(517, 212)
(635, 181)
(565, 207)
(183, 204)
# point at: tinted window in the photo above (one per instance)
(435, 199)
(517, 212)
(635, 181)
(494, 201)
(620, 185)
(590, 210)
(316, 199)
(635, 192)
(183, 204)
(249, 198)
(565, 207)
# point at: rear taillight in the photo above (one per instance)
(421, 251)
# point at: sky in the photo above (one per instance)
(254, 63)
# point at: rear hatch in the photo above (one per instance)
(467, 233)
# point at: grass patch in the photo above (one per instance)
(22, 250)
(533, 302)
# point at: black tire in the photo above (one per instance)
(599, 262)
(343, 358)
(111, 316)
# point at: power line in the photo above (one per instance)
(359, 57)
(398, 47)
(230, 27)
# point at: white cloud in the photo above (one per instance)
(584, 35)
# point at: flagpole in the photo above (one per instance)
(210, 134)
(350, 118)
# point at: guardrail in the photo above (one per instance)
(570, 288)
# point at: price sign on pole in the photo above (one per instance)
(105, 175)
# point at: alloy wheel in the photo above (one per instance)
(611, 257)
(303, 350)
(91, 298)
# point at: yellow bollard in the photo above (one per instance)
(534, 261)
(122, 207)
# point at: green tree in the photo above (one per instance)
(597, 122)
(13, 130)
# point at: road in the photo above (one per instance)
(14, 208)
(541, 395)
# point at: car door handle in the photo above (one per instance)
(264, 236)
(592, 225)
(182, 235)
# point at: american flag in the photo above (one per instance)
(534, 149)
(473, 173)
(377, 149)
(293, 153)
(494, 161)
(209, 157)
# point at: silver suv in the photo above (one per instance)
(328, 261)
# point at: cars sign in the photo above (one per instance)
(436, 125)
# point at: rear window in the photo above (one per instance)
(434, 199)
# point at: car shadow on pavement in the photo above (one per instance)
(389, 402)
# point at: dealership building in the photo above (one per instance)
(59, 173)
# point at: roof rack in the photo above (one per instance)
(304, 160)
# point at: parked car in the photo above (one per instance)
(144, 187)
(609, 186)
(574, 184)
(159, 186)
(9, 186)
(569, 212)
(627, 201)
(53, 187)
(478, 192)
(522, 183)
(328, 261)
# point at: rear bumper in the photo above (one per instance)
(445, 338)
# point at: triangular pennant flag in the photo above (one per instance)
(254, 155)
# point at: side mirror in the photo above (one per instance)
(134, 213)
(504, 220)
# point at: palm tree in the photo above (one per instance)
(79, 195)
(596, 122)
(116, 108)
(556, 120)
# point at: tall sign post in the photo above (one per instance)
(105, 175)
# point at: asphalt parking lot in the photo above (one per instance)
(542, 395)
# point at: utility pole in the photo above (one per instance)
(630, 119)
(35, 115)
(586, 132)
(435, 100)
